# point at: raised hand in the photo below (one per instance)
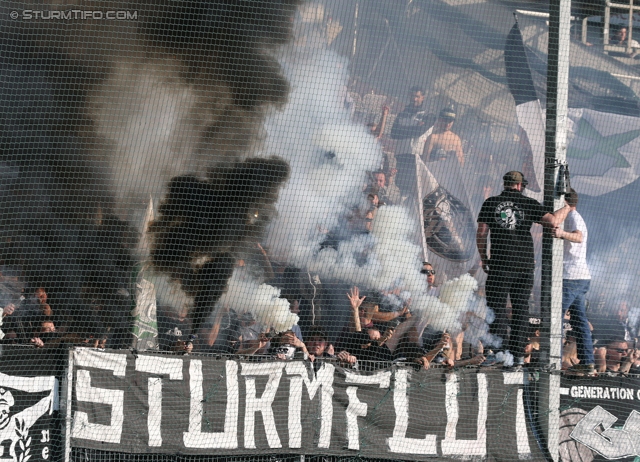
(354, 298)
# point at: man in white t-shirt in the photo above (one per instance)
(576, 280)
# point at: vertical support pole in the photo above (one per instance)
(607, 19)
(555, 151)
(630, 27)
(66, 399)
(355, 30)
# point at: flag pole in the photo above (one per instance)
(555, 154)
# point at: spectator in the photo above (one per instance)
(430, 273)
(622, 38)
(570, 354)
(442, 142)
(631, 364)
(373, 197)
(617, 352)
(294, 307)
(576, 280)
(222, 336)
(184, 345)
(319, 349)
(317, 345)
(486, 187)
(608, 328)
(361, 338)
(505, 221)
(172, 326)
(388, 194)
(411, 125)
(377, 129)
(476, 358)
(41, 296)
(437, 347)
(532, 350)
(45, 334)
(252, 338)
(380, 317)
(287, 345)
(7, 311)
(368, 220)
(31, 311)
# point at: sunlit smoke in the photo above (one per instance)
(245, 295)
(330, 157)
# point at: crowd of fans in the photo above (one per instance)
(353, 327)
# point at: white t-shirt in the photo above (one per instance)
(575, 254)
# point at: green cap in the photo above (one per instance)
(514, 177)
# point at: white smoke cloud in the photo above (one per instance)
(328, 154)
(245, 295)
(330, 157)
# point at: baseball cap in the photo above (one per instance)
(515, 177)
(447, 113)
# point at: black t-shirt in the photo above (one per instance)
(510, 217)
(413, 122)
(606, 329)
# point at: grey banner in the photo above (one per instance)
(201, 405)
(27, 405)
(600, 419)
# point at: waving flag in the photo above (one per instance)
(528, 110)
(603, 150)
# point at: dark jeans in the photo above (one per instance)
(573, 292)
(517, 286)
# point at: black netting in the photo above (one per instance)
(319, 230)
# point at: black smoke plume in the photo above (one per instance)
(203, 224)
(64, 222)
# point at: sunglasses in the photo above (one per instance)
(619, 350)
(428, 272)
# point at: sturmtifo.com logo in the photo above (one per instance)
(73, 15)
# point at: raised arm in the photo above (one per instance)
(385, 316)
(555, 219)
(356, 301)
(212, 336)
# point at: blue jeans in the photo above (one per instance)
(573, 292)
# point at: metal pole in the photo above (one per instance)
(66, 391)
(630, 28)
(607, 19)
(355, 30)
(555, 152)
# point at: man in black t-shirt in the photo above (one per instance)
(411, 125)
(505, 221)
